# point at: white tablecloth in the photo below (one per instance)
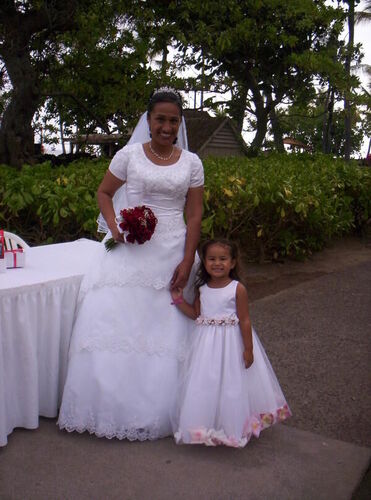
(37, 307)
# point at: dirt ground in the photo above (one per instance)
(269, 278)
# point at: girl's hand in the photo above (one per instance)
(248, 358)
(181, 275)
(176, 294)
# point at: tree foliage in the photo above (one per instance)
(28, 38)
(271, 50)
(82, 58)
(90, 66)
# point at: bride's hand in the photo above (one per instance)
(181, 275)
(116, 235)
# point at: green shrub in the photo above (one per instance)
(284, 205)
(276, 205)
(48, 204)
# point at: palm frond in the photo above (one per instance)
(363, 15)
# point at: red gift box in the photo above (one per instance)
(15, 258)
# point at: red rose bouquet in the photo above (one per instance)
(138, 224)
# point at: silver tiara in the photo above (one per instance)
(167, 90)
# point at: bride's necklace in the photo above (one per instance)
(164, 158)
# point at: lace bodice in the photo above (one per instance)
(162, 188)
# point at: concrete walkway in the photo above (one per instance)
(317, 337)
(285, 463)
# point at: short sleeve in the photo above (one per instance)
(119, 164)
(197, 173)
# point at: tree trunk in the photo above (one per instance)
(262, 113)
(238, 106)
(277, 131)
(164, 63)
(61, 134)
(327, 121)
(347, 103)
(18, 26)
(262, 110)
(16, 133)
(261, 131)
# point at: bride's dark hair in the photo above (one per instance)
(203, 276)
(165, 94)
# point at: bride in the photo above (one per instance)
(128, 340)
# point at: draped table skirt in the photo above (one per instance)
(37, 307)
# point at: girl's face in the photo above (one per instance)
(218, 261)
(164, 122)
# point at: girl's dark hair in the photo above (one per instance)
(165, 94)
(203, 276)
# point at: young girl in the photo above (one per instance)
(228, 390)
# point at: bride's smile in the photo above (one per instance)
(164, 123)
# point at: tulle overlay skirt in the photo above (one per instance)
(128, 342)
(219, 401)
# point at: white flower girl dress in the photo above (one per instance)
(220, 401)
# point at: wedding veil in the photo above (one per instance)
(141, 135)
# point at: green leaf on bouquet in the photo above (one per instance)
(110, 244)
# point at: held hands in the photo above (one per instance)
(248, 358)
(181, 275)
(176, 295)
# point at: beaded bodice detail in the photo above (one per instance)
(218, 305)
(164, 189)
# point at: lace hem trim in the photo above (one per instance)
(141, 345)
(252, 427)
(131, 434)
(228, 320)
(137, 280)
(102, 426)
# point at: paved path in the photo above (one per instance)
(284, 464)
(317, 337)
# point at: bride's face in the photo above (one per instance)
(164, 122)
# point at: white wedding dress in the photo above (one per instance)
(128, 340)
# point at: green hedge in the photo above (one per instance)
(46, 204)
(285, 205)
(278, 205)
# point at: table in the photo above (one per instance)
(37, 307)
